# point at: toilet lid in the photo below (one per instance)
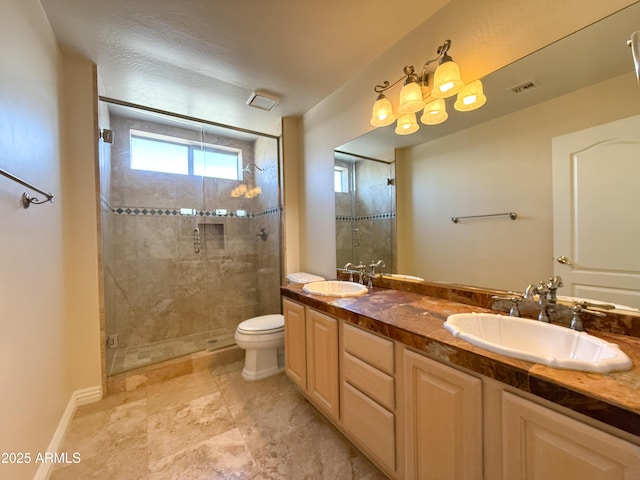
(263, 324)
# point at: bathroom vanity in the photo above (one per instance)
(422, 404)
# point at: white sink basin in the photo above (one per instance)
(400, 276)
(335, 288)
(538, 342)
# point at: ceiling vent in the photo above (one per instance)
(262, 100)
(524, 87)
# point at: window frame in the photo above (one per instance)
(192, 145)
(344, 179)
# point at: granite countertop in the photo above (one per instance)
(416, 320)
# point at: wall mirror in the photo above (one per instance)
(482, 162)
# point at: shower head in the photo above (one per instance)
(247, 169)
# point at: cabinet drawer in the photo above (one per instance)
(371, 381)
(374, 350)
(372, 425)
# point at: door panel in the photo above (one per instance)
(596, 203)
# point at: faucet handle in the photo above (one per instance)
(552, 288)
(576, 322)
(514, 311)
(543, 288)
(515, 298)
(555, 282)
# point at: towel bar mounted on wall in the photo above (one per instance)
(511, 215)
(26, 198)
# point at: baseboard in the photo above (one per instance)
(78, 398)
(88, 395)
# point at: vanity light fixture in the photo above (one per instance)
(416, 94)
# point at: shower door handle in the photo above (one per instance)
(196, 240)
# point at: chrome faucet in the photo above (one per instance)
(373, 265)
(552, 286)
(530, 291)
(348, 268)
(351, 268)
(542, 290)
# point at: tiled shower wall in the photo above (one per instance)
(157, 287)
(369, 208)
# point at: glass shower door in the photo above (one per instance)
(154, 284)
(241, 233)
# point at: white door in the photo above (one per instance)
(596, 212)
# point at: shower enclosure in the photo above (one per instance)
(190, 230)
(365, 210)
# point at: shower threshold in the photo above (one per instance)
(123, 359)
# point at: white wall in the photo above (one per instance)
(48, 253)
(500, 166)
(33, 367)
(486, 36)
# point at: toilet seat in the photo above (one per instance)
(264, 324)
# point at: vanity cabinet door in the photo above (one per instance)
(442, 420)
(295, 346)
(540, 444)
(322, 362)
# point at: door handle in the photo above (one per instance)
(565, 261)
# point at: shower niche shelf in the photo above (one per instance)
(213, 234)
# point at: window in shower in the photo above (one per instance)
(340, 179)
(161, 153)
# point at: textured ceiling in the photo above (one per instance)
(203, 58)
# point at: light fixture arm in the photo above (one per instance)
(409, 71)
(442, 56)
(386, 85)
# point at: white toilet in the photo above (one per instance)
(263, 339)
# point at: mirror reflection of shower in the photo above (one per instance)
(247, 169)
(181, 257)
(365, 209)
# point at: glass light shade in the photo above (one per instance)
(254, 192)
(446, 80)
(407, 124)
(435, 112)
(410, 98)
(382, 113)
(239, 191)
(470, 97)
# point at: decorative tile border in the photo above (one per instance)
(169, 212)
(376, 216)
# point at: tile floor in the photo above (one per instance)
(210, 424)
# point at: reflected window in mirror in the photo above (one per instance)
(340, 179)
